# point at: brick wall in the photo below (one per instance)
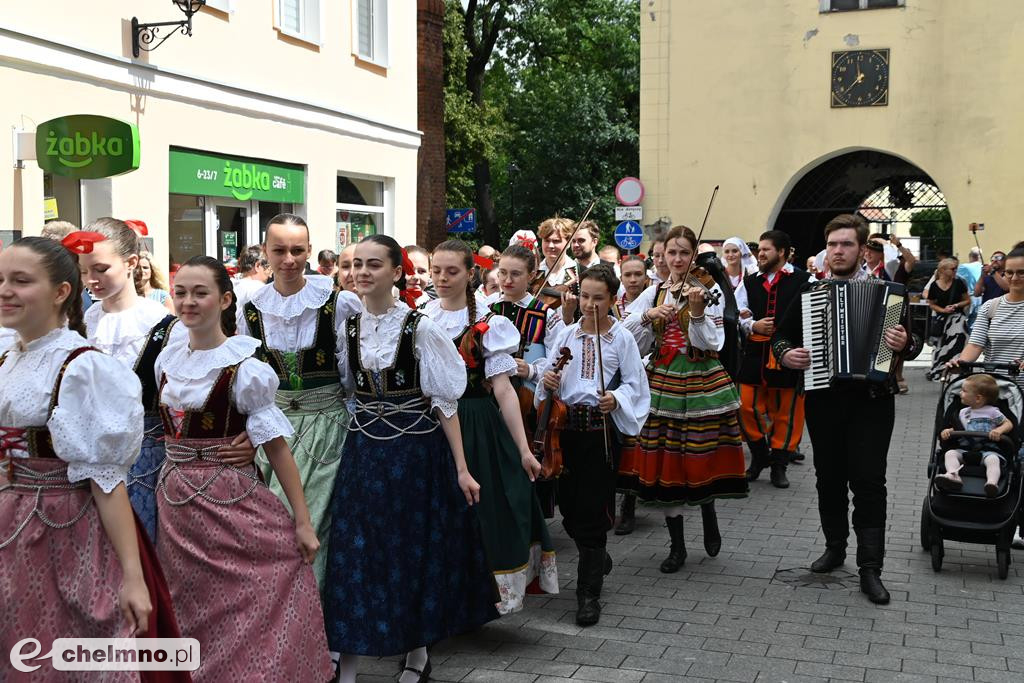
(430, 184)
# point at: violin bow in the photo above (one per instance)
(701, 233)
(600, 380)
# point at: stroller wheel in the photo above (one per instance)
(926, 526)
(937, 552)
(1003, 561)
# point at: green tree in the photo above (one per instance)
(935, 228)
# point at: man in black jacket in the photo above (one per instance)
(850, 424)
(772, 404)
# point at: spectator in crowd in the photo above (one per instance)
(949, 301)
(58, 230)
(897, 269)
(659, 267)
(971, 273)
(488, 252)
(611, 255)
(874, 259)
(584, 245)
(328, 263)
(153, 283)
(992, 282)
(345, 279)
(255, 271)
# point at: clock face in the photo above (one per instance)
(860, 78)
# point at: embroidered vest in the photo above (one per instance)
(216, 419)
(155, 343)
(400, 381)
(38, 441)
(682, 319)
(305, 369)
(531, 321)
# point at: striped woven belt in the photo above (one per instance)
(583, 418)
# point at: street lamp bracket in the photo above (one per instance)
(146, 37)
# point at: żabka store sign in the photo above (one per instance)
(87, 146)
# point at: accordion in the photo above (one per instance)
(843, 326)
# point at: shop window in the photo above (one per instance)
(267, 211)
(62, 199)
(846, 5)
(361, 209)
(300, 19)
(370, 30)
(186, 230)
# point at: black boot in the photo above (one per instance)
(677, 554)
(712, 536)
(593, 565)
(627, 515)
(835, 532)
(758, 458)
(780, 459)
(870, 551)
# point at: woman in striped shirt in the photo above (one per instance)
(999, 329)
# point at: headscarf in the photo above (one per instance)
(747, 259)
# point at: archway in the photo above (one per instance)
(892, 193)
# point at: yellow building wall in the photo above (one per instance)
(736, 93)
(359, 119)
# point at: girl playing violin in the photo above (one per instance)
(689, 452)
(586, 489)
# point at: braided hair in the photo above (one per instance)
(460, 247)
(228, 322)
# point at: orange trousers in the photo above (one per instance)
(777, 414)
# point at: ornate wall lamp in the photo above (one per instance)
(144, 35)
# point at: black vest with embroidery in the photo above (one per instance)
(38, 440)
(531, 321)
(397, 383)
(216, 419)
(155, 343)
(316, 366)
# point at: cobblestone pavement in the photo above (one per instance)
(735, 617)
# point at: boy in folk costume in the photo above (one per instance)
(605, 391)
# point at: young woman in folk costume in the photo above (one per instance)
(498, 453)
(406, 566)
(299, 321)
(689, 452)
(132, 329)
(236, 562)
(73, 562)
(739, 261)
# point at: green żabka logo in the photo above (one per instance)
(87, 146)
(242, 179)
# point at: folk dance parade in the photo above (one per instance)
(367, 462)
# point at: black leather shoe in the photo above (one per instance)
(627, 516)
(594, 563)
(871, 586)
(424, 675)
(677, 554)
(758, 458)
(778, 477)
(712, 536)
(829, 560)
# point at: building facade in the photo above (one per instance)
(803, 109)
(304, 106)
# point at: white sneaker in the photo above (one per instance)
(1017, 542)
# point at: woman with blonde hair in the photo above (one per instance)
(153, 283)
(949, 300)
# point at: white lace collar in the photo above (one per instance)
(314, 294)
(111, 328)
(181, 362)
(59, 339)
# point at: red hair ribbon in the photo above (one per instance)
(483, 262)
(407, 267)
(528, 243)
(409, 296)
(138, 226)
(82, 241)
(470, 342)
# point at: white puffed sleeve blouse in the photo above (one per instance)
(96, 426)
(500, 341)
(190, 376)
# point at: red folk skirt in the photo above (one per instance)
(238, 581)
(60, 576)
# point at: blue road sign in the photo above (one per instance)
(628, 235)
(461, 220)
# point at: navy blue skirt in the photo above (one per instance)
(143, 475)
(406, 564)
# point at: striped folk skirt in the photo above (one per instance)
(690, 450)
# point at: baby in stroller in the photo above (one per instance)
(979, 394)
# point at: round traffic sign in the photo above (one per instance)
(628, 235)
(629, 191)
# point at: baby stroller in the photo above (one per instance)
(968, 515)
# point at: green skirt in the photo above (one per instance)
(519, 548)
(320, 420)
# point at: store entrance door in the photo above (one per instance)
(231, 227)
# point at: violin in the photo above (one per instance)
(700, 278)
(551, 420)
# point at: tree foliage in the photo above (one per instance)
(560, 103)
(935, 228)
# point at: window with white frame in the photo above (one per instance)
(847, 5)
(370, 30)
(300, 19)
(227, 6)
(362, 208)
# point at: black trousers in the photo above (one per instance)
(586, 489)
(850, 433)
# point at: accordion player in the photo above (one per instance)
(844, 324)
